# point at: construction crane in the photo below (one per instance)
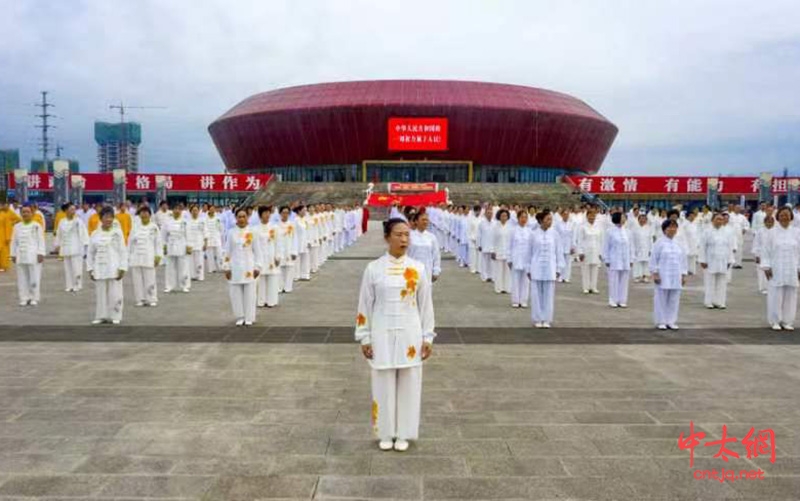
(124, 156)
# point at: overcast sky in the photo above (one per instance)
(694, 86)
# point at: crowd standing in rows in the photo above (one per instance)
(525, 251)
(261, 250)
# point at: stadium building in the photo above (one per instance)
(413, 131)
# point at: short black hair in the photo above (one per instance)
(389, 225)
(541, 215)
(667, 223)
(500, 213)
(262, 209)
(476, 207)
(105, 211)
(66, 206)
(785, 208)
(616, 218)
(284, 207)
(143, 208)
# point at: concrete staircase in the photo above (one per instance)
(542, 195)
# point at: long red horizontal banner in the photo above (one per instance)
(419, 199)
(672, 185)
(147, 182)
(418, 187)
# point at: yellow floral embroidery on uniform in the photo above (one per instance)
(248, 239)
(248, 274)
(412, 352)
(411, 275)
(271, 235)
(290, 230)
(227, 259)
(361, 320)
(374, 412)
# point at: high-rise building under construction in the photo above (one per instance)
(118, 145)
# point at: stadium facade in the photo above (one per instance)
(413, 131)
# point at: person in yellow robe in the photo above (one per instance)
(38, 216)
(60, 214)
(94, 219)
(125, 221)
(8, 218)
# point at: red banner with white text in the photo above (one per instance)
(418, 199)
(671, 185)
(147, 182)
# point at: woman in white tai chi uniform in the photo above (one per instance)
(642, 235)
(590, 242)
(618, 256)
(780, 260)
(27, 254)
(107, 262)
(270, 277)
(216, 230)
(669, 268)
(501, 241)
(395, 327)
(71, 241)
(197, 236)
(519, 258)
(546, 261)
(145, 252)
(175, 237)
(716, 258)
(424, 247)
(758, 242)
(242, 268)
(485, 231)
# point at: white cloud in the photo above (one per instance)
(683, 80)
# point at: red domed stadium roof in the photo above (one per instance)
(346, 123)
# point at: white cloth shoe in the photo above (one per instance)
(776, 327)
(239, 323)
(673, 327)
(538, 325)
(385, 445)
(661, 327)
(401, 445)
(788, 327)
(545, 325)
(98, 321)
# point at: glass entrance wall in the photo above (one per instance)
(315, 174)
(517, 174)
(417, 172)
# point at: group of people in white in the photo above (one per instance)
(525, 252)
(262, 251)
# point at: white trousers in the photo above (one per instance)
(520, 287)
(396, 403)
(287, 277)
(29, 282)
(641, 269)
(781, 305)
(473, 259)
(305, 266)
(463, 250)
(73, 272)
(243, 301)
(691, 264)
(213, 259)
(738, 255)
(313, 257)
(502, 276)
(487, 268)
(268, 289)
(176, 276)
(763, 283)
(589, 274)
(618, 281)
(197, 264)
(108, 299)
(566, 270)
(716, 288)
(144, 284)
(666, 303)
(543, 294)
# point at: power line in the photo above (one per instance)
(45, 143)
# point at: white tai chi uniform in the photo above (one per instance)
(519, 259)
(106, 257)
(618, 256)
(590, 242)
(314, 229)
(642, 239)
(546, 259)
(269, 279)
(668, 259)
(758, 244)
(716, 251)
(691, 242)
(485, 233)
(781, 254)
(215, 230)
(287, 253)
(241, 259)
(566, 233)
(501, 241)
(197, 236)
(473, 222)
(174, 236)
(144, 247)
(425, 249)
(71, 240)
(395, 316)
(302, 268)
(740, 225)
(27, 244)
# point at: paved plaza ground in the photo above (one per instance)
(176, 403)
